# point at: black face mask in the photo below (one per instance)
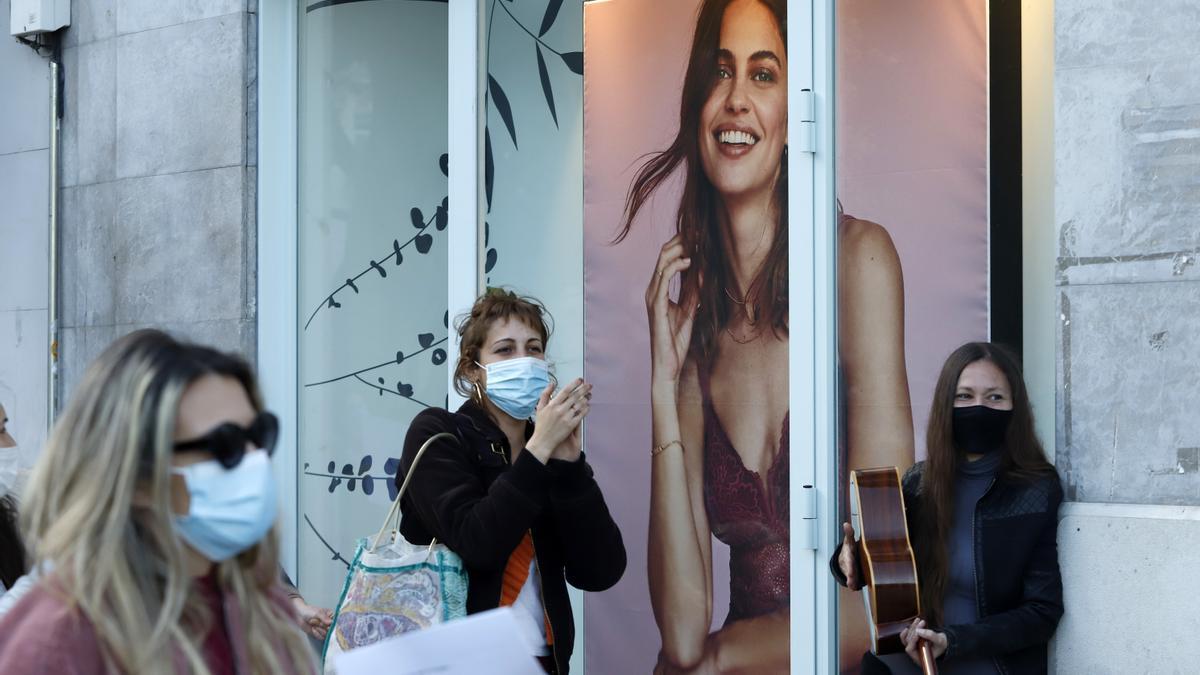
(979, 429)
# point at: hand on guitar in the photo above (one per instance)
(914, 634)
(848, 558)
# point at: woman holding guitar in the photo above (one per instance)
(982, 513)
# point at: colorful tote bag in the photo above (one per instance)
(394, 587)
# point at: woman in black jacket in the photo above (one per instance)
(983, 517)
(516, 501)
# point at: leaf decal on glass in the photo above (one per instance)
(418, 218)
(574, 61)
(425, 339)
(491, 261)
(444, 164)
(405, 390)
(489, 170)
(441, 218)
(439, 357)
(502, 107)
(551, 14)
(382, 272)
(350, 283)
(547, 90)
(424, 242)
(396, 252)
(399, 357)
(364, 465)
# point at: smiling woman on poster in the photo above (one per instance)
(719, 354)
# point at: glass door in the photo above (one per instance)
(371, 275)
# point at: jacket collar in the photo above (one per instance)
(483, 423)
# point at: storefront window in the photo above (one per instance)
(372, 212)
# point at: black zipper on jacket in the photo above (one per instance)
(975, 567)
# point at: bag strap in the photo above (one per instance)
(394, 512)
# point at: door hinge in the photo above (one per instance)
(808, 122)
(806, 537)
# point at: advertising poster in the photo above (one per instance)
(685, 295)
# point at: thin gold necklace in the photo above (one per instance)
(734, 298)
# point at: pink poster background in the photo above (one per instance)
(912, 156)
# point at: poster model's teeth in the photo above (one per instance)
(736, 138)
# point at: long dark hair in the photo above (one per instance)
(1023, 458)
(698, 216)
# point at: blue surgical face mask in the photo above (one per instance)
(515, 385)
(231, 509)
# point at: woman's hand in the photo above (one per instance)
(558, 418)
(847, 559)
(313, 620)
(913, 635)
(670, 322)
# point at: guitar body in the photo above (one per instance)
(891, 592)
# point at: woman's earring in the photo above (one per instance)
(478, 390)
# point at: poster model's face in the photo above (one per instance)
(743, 126)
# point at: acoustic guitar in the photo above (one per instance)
(891, 593)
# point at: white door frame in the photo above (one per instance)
(812, 337)
(278, 336)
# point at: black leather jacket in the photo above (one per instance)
(468, 496)
(1017, 581)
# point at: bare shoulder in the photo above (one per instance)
(45, 632)
(864, 240)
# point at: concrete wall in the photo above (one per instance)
(24, 209)
(158, 174)
(1127, 221)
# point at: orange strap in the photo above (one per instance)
(516, 573)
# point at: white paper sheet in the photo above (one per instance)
(489, 642)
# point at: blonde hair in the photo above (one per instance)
(121, 562)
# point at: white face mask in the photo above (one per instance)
(10, 463)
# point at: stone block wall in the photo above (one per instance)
(158, 174)
(1127, 219)
(1127, 147)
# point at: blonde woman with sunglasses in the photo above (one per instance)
(155, 503)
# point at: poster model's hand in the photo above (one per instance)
(670, 322)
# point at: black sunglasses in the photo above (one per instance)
(228, 442)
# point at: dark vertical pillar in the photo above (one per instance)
(1004, 66)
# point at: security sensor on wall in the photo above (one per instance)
(31, 17)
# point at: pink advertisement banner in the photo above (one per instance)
(685, 130)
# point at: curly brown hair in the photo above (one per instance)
(496, 304)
